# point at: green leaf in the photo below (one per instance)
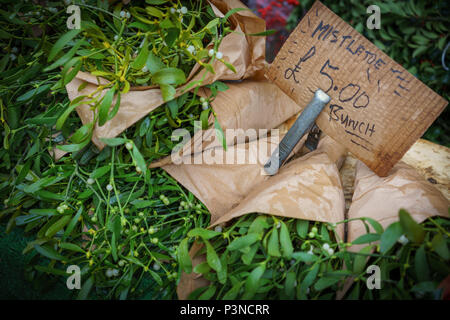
(219, 134)
(324, 233)
(74, 147)
(23, 172)
(48, 252)
(204, 119)
(375, 225)
(168, 92)
(285, 240)
(58, 225)
(440, 246)
(310, 277)
(114, 225)
(33, 93)
(202, 268)
(212, 258)
(62, 119)
(203, 233)
(154, 63)
(247, 258)
(83, 133)
(59, 45)
(222, 274)
(44, 212)
(115, 109)
(105, 106)
(169, 76)
(86, 288)
(426, 286)
(419, 51)
(154, 12)
(208, 294)
(233, 292)
(367, 238)
(361, 259)
(302, 228)
(100, 172)
(229, 66)
(65, 58)
(390, 236)
(244, 241)
(421, 265)
(273, 247)
(233, 11)
(304, 257)
(183, 256)
(289, 284)
(140, 161)
(156, 277)
(113, 142)
(258, 225)
(156, 2)
(171, 36)
(324, 283)
(263, 33)
(212, 24)
(71, 247)
(142, 57)
(252, 282)
(173, 108)
(412, 229)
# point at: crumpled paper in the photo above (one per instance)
(247, 105)
(307, 187)
(245, 53)
(382, 198)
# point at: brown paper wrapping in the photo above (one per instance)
(247, 105)
(307, 187)
(245, 53)
(382, 198)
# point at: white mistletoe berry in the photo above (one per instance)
(191, 49)
(403, 240)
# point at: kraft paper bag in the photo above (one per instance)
(249, 105)
(246, 53)
(307, 187)
(382, 198)
(221, 186)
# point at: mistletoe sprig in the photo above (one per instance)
(266, 257)
(149, 46)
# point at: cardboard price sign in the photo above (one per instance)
(377, 108)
